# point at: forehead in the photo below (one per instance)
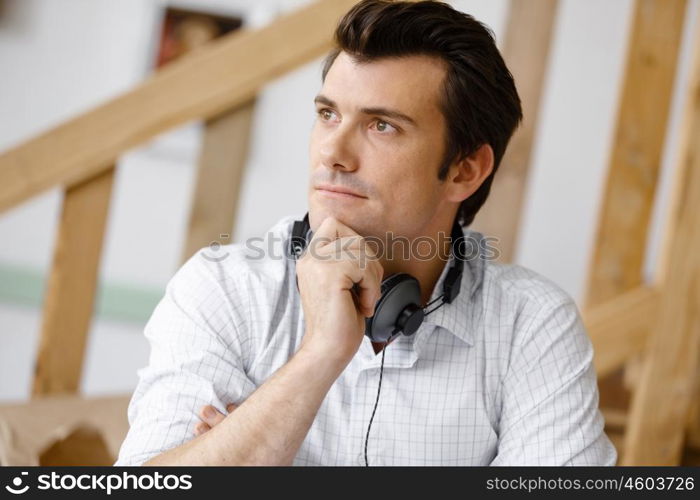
(410, 84)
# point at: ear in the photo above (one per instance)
(466, 175)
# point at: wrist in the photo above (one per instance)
(331, 364)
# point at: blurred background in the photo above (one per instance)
(61, 58)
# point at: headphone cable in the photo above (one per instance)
(379, 388)
(381, 371)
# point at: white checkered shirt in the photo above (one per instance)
(501, 376)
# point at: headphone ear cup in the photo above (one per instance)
(391, 281)
(399, 291)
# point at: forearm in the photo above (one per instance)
(268, 427)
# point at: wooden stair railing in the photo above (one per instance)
(218, 84)
(618, 256)
(219, 176)
(663, 375)
(620, 327)
(211, 81)
(634, 326)
(645, 101)
(72, 285)
(667, 393)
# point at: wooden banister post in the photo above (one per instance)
(616, 264)
(219, 173)
(526, 52)
(618, 257)
(661, 403)
(619, 328)
(71, 286)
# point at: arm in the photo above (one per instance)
(197, 336)
(550, 412)
(269, 427)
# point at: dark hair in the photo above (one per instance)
(479, 100)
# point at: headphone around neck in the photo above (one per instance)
(398, 309)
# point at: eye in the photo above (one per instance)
(324, 113)
(383, 126)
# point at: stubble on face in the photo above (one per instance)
(395, 169)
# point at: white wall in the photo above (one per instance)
(574, 138)
(60, 58)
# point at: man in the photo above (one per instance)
(414, 115)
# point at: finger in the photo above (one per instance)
(335, 239)
(365, 283)
(367, 278)
(377, 271)
(329, 230)
(370, 290)
(211, 415)
(201, 428)
(340, 247)
(355, 248)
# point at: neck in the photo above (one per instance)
(426, 270)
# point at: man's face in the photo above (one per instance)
(379, 132)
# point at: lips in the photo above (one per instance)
(339, 190)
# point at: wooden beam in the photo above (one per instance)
(619, 328)
(614, 418)
(633, 370)
(203, 84)
(617, 438)
(620, 244)
(661, 404)
(71, 286)
(627, 204)
(526, 51)
(219, 174)
(693, 424)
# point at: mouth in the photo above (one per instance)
(338, 192)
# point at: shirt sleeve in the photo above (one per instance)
(196, 358)
(550, 413)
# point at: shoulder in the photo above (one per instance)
(506, 286)
(260, 259)
(220, 287)
(529, 303)
(225, 293)
(521, 285)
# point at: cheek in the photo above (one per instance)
(404, 185)
(413, 171)
(313, 146)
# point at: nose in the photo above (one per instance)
(337, 151)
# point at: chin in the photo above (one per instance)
(318, 212)
(354, 219)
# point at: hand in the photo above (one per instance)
(210, 417)
(339, 280)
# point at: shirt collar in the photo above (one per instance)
(454, 317)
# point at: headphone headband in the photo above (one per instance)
(451, 284)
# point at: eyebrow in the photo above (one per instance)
(389, 113)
